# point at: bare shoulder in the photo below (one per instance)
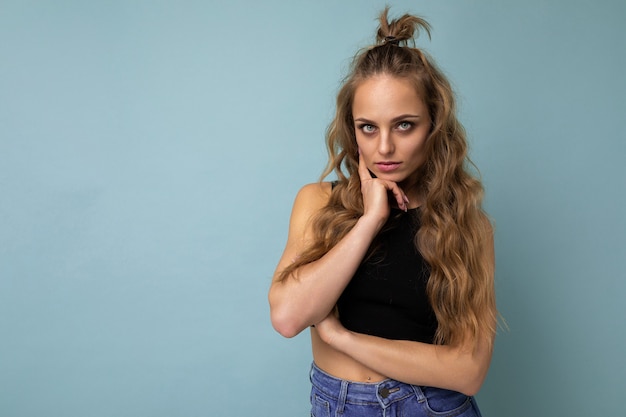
(314, 195)
(310, 199)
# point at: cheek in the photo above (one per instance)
(361, 145)
(418, 153)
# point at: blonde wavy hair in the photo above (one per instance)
(455, 234)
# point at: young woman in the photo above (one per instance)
(391, 266)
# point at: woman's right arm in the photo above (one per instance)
(297, 303)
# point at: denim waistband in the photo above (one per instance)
(383, 392)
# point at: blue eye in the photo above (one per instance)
(405, 125)
(367, 128)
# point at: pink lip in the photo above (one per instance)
(387, 166)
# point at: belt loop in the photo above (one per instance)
(341, 401)
(419, 394)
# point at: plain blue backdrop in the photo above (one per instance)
(150, 152)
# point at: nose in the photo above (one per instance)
(385, 143)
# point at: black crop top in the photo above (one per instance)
(387, 295)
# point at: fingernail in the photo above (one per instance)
(406, 199)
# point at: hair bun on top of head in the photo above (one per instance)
(391, 40)
(400, 31)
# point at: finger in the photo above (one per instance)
(364, 173)
(398, 194)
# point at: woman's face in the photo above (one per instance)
(391, 123)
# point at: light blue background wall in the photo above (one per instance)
(150, 152)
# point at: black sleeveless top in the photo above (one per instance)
(387, 295)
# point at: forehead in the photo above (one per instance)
(385, 96)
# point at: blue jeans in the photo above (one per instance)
(334, 397)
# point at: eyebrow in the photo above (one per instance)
(395, 119)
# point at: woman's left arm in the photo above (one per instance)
(460, 368)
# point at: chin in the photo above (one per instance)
(397, 178)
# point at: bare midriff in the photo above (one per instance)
(339, 364)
